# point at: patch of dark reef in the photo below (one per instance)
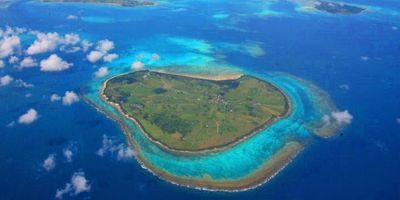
(57, 141)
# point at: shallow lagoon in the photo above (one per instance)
(241, 161)
(292, 43)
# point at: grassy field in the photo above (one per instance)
(193, 114)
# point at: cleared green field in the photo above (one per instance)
(185, 113)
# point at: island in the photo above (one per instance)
(191, 114)
(124, 3)
(337, 7)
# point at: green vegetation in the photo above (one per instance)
(337, 7)
(192, 114)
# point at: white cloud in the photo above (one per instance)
(45, 42)
(2, 64)
(340, 118)
(19, 30)
(29, 117)
(21, 83)
(125, 153)
(105, 45)
(48, 42)
(395, 28)
(54, 63)
(55, 97)
(101, 72)
(69, 98)
(155, 57)
(137, 65)
(5, 80)
(72, 17)
(110, 146)
(71, 39)
(86, 45)
(107, 145)
(10, 31)
(8, 45)
(77, 185)
(94, 56)
(49, 163)
(326, 119)
(28, 62)
(69, 49)
(110, 57)
(61, 192)
(68, 154)
(68, 43)
(13, 60)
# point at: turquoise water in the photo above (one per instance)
(245, 158)
(323, 62)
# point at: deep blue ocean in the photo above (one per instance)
(354, 58)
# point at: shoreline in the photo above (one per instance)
(232, 76)
(268, 170)
(255, 131)
(321, 130)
